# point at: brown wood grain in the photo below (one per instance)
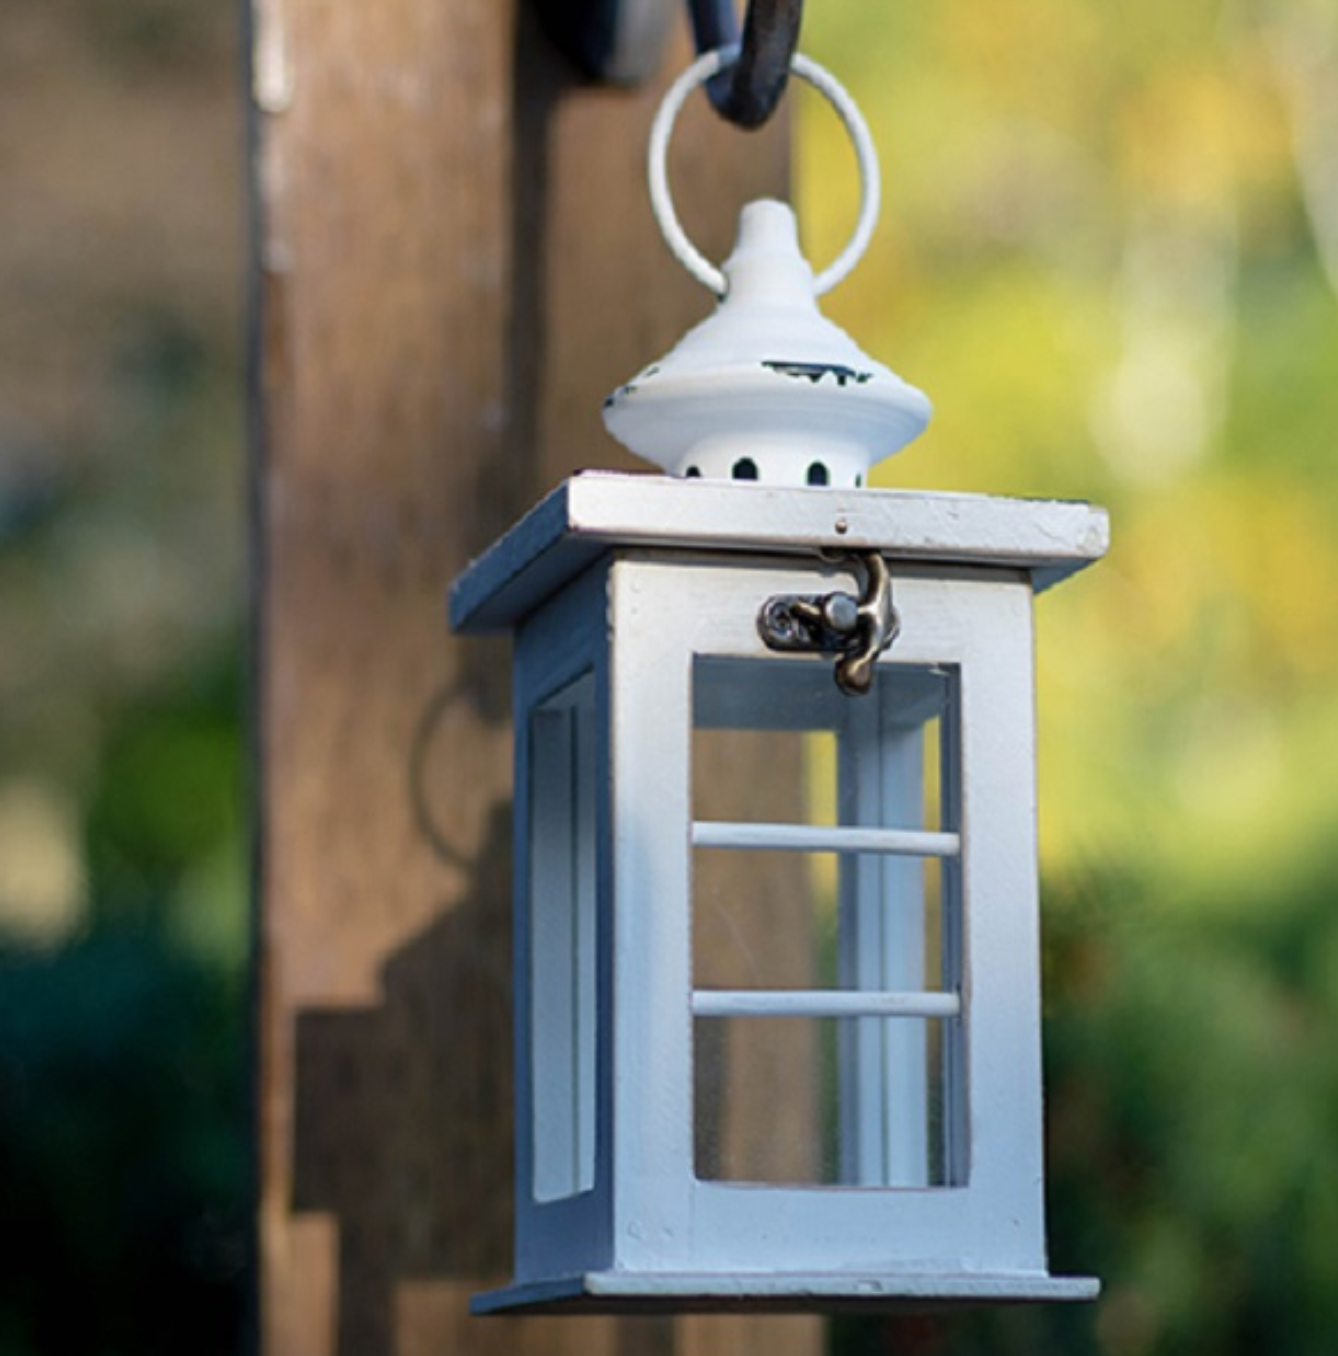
(454, 261)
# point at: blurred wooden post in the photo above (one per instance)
(453, 261)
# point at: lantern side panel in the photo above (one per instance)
(561, 962)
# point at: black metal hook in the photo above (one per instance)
(622, 41)
(748, 91)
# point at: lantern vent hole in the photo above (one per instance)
(745, 469)
(818, 474)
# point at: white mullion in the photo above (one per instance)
(882, 941)
(859, 933)
(825, 838)
(901, 903)
(823, 1003)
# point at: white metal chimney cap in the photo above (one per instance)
(767, 388)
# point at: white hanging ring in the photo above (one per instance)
(661, 200)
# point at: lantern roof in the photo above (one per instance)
(598, 511)
(767, 388)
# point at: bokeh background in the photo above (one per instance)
(123, 914)
(1109, 252)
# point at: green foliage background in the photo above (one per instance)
(124, 1156)
(1109, 252)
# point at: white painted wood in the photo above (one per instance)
(560, 647)
(822, 1003)
(1000, 939)
(825, 838)
(953, 918)
(592, 513)
(665, 612)
(650, 719)
(885, 1100)
(640, 623)
(744, 1292)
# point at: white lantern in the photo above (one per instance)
(653, 613)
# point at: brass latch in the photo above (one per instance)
(858, 630)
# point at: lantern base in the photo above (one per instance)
(631, 1293)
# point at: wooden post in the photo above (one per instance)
(454, 261)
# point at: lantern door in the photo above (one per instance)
(899, 1032)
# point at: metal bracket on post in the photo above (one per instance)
(621, 42)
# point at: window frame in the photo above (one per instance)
(666, 611)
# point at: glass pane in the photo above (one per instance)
(743, 709)
(770, 920)
(848, 886)
(762, 920)
(562, 940)
(793, 710)
(745, 1133)
(723, 791)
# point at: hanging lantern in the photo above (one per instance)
(761, 588)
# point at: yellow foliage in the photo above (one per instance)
(1062, 266)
